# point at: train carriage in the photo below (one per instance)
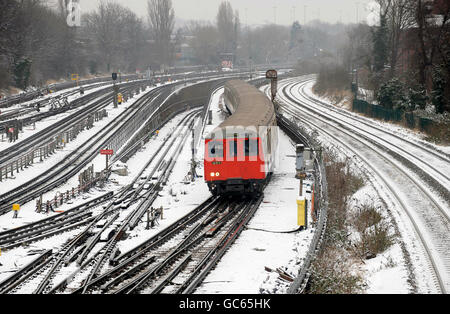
(240, 152)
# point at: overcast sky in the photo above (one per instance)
(257, 12)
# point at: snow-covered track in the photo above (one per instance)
(429, 163)
(207, 256)
(428, 216)
(130, 195)
(51, 226)
(99, 99)
(124, 261)
(75, 161)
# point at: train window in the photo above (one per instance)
(232, 148)
(215, 149)
(251, 147)
(269, 140)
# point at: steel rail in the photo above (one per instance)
(111, 244)
(393, 191)
(130, 257)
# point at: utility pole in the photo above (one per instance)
(115, 88)
(357, 12)
(275, 15)
(193, 154)
(304, 14)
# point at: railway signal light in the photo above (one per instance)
(114, 76)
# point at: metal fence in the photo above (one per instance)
(43, 151)
(409, 119)
(16, 99)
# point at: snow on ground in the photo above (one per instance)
(278, 213)
(387, 272)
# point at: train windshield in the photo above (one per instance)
(215, 149)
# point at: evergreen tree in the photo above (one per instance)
(417, 98)
(392, 95)
(22, 71)
(437, 94)
(380, 39)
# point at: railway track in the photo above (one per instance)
(431, 163)
(428, 217)
(79, 249)
(30, 108)
(40, 138)
(199, 238)
(49, 274)
(75, 161)
(96, 262)
(51, 226)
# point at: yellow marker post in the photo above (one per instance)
(301, 212)
(16, 208)
(75, 77)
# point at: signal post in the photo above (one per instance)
(107, 153)
(302, 204)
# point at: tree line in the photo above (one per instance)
(405, 57)
(37, 44)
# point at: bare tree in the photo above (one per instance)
(228, 27)
(161, 17)
(204, 43)
(433, 35)
(400, 17)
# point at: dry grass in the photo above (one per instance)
(335, 268)
(333, 273)
(365, 216)
(440, 134)
(374, 231)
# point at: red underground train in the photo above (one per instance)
(240, 152)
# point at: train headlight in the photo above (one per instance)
(217, 174)
(212, 174)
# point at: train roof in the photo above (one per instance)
(250, 106)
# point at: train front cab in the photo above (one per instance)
(235, 166)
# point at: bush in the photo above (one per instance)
(438, 92)
(365, 217)
(334, 270)
(332, 274)
(373, 231)
(4, 77)
(22, 71)
(331, 271)
(392, 95)
(417, 98)
(332, 78)
(375, 240)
